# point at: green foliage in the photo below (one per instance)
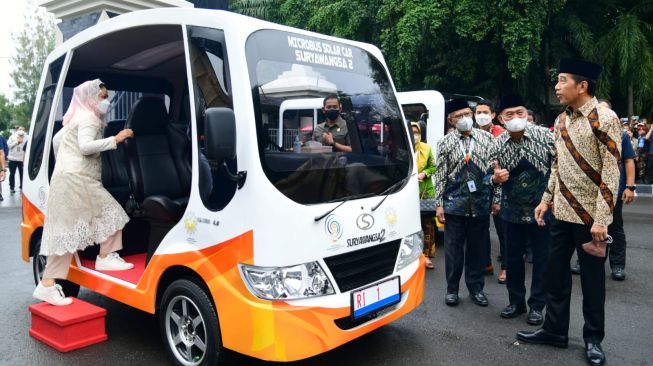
(33, 44)
(488, 47)
(12, 115)
(262, 9)
(6, 112)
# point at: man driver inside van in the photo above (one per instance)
(333, 131)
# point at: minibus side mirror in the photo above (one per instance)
(220, 141)
(220, 134)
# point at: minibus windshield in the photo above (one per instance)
(371, 150)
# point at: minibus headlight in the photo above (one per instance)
(411, 248)
(287, 283)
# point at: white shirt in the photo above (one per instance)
(16, 150)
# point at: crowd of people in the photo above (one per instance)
(550, 191)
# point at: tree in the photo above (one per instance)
(33, 44)
(627, 54)
(262, 9)
(6, 112)
(489, 48)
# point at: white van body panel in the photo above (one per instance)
(258, 206)
(434, 103)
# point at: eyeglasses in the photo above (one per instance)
(461, 115)
(520, 113)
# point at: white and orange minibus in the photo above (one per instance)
(239, 243)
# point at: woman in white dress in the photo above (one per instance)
(80, 211)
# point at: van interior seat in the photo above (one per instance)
(158, 161)
(114, 165)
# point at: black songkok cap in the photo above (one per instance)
(510, 101)
(583, 68)
(455, 105)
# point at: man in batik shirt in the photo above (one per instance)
(582, 190)
(525, 151)
(463, 200)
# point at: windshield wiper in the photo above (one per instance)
(343, 199)
(389, 190)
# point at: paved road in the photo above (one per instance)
(434, 334)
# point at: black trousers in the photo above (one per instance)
(565, 238)
(464, 245)
(517, 236)
(500, 227)
(13, 166)
(617, 251)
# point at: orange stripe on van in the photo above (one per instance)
(33, 219)
(216, 265)
(269, 330)
(278, 331)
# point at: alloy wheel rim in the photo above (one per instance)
(186, 331)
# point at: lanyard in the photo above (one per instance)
(467, 153)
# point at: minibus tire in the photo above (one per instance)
(200, 323)
(38, 266)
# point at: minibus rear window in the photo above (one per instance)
(287, 68)
(37, 142)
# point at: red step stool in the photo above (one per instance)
(66, 328)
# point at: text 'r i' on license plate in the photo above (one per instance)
(375, 297)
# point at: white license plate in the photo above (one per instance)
(375, 297)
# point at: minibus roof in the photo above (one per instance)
(220, 19)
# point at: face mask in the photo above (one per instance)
(332, 114)
(464, 124)
(417, 137)
(516, 124)
(103, 106)
(483, 119)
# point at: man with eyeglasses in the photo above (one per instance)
(333, 131)
(465, 196)
(582, 187)
(526, 152)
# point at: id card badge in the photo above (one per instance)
(472, 186)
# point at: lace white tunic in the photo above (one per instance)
(80, 212)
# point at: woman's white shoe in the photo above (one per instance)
(52, 295)
(112, 262)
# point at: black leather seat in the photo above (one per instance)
(158, 162)
(114, 165)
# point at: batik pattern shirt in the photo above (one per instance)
(529, 162)
(453, 189)
(585, 171)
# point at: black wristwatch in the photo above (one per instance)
(632, 188)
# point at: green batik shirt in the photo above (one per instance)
(529, 163)
(463, 187)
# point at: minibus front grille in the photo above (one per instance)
(362, 267)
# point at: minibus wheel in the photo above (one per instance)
(38, 266)
(189, 325)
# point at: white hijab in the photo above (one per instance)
(83, 106)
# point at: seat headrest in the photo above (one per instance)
(148, 116)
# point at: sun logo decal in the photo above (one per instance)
(391, 216)
(190, 223)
